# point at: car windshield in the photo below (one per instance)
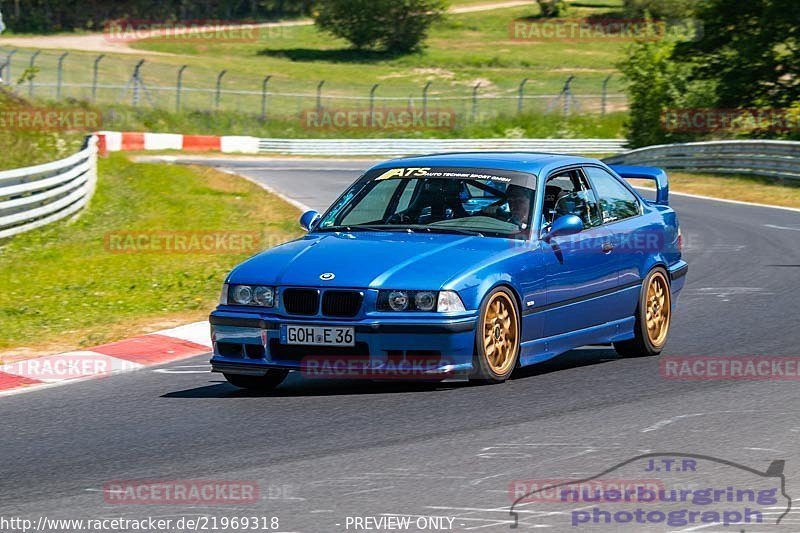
(435, 205)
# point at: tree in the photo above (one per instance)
(750, 50)
(68, 15)
(747, 55)
(390, 25)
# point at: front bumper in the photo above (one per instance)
(423, 348)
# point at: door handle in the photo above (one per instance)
(607, 247)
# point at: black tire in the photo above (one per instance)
(643, 344)
(504, 338)
(266, 383)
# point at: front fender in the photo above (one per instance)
(520, 270)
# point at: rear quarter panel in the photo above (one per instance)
(646, 241)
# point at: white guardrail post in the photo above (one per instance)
(34, 196)
(776, 159)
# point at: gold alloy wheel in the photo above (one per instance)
(658, 309)
(500, 333)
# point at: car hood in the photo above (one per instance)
(372, 260)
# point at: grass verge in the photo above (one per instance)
(735, 187)
(72, 285)
(26, 147)
(755, 189)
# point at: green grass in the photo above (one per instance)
(22, 148)
(63, 286)
(32, 148)
(462, 51)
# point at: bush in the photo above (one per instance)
(390, 25)
(552, 8)
(656, 84)
(660, 9)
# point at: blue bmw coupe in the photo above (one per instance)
(458, 266)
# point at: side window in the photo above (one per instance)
(616, 201)
(569, 193)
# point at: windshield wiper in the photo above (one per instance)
(410, 229)
(462, 231)
(388, 227)
(368, 227)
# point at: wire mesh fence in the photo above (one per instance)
(169, 85)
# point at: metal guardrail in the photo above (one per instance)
(402, 147)
(776, 159)
(34, 196)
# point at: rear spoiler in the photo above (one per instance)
(647, 173)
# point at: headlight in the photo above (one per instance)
(255, 295)
(398, 300)
(264, 296)
(424, 301)
(450, 302)
(242, 294)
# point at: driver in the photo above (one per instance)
(519, 206)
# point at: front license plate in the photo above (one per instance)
(318, 335)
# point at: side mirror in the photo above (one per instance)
(309, 219)
(563, 226)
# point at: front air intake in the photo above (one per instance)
(301, 301)
(342, 303)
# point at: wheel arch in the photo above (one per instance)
(508, 285)
(653, 262)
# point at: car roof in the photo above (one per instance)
(536, 163)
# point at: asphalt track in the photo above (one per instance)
(323, 451)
